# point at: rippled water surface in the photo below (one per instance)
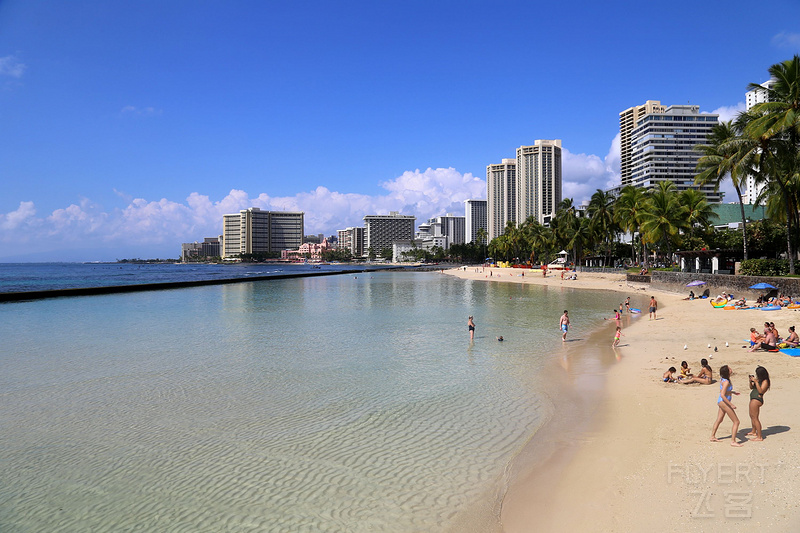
(343, 403)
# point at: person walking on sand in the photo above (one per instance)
(653, 307)
(759, 385)
(564, 326)
(725, 406)
(471, 327)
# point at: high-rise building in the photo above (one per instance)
(759, 95)
(451, 227)
(662, 148)
(475, 219)
(380, 231)
(538, 181)
(628, 120)
(352, 239)
(253, 231)
(501, 192)
(752, 190)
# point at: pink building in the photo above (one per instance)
(308, 250)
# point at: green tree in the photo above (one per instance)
(664, 217)
(628, 211)
(699, 212)
(719, 161)
(601, 215)
(773, 129)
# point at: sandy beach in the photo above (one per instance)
(645, 461)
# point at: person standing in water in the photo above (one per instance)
(653, 307)
(564, 326)
(471, 327)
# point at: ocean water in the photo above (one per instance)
(21, 277)
(340, 403)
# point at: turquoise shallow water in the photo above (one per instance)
(343, 403)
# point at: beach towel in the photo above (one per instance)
(794, 352)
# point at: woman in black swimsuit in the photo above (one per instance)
(471, 327)
(759, 385)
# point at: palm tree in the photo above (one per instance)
(774, 126)
(699, 211)
(565, 224)
(600, 212)
(482, 234)
(628, 211)
(719, 161)
(664, 216)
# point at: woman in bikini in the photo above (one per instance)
(471, 327)
(725, 407)
(792, 340)
(759, 385)
(705, 376)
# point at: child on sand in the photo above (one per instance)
(725, 407)
(686, 372)
(617, 336)
(669, 375)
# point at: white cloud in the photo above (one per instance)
(11, 66)
(150, 228)
(130, 110)
(730, 112)
(24, 214)
(583, 174)
(786, 40)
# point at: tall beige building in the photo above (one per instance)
(501, 193)
(538, 181)
(628, 121)
(253, 231)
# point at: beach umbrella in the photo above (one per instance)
(695, 283)
(762, 285)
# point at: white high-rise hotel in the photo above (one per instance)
(657, 144)
(529, 185)
(757, 96)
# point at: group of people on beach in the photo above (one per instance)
(770, 340)
(759, 385)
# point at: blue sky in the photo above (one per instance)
(127, 128)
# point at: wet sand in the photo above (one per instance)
(644, 460)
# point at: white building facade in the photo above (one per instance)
(501, 191)
(475, 218)
(538, 181)
(662, 148)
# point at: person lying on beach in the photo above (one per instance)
(704, 377)
(669, 375)
(792, 340)
(686, 372)
(741, 302)
(725, 407)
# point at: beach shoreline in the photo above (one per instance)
(646, 445)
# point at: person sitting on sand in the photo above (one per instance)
(704, 377)
(769, 343)
(792, 340)
(755, 337)
(691, 296)
(686, 372)
(775, 332)
(725, 407)
(669, 375)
